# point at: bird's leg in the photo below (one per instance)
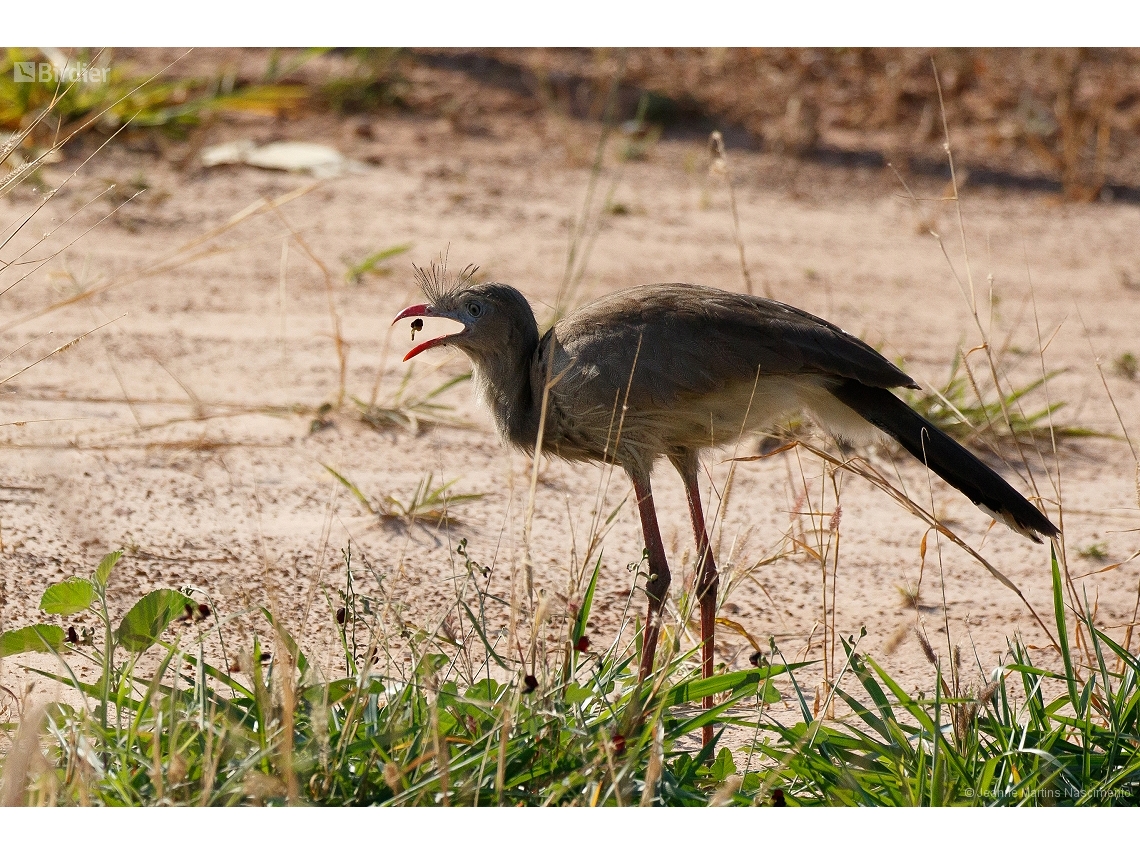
(658, 585)
(707, 578)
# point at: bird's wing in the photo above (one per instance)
(685, 340)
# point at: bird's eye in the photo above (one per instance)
(474, 309)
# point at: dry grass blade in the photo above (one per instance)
(60, 349)
(867, 471)
(22, 759)
(330, 294)
(179, 258)
(584, 229)
(720, 167)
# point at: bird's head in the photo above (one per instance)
(496, 318)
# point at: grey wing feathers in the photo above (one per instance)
(734, 335)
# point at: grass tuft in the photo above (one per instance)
(426, 504)
(964, 410)
(409, 410)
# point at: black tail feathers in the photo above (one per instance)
(949, 460)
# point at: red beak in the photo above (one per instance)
(422, 311)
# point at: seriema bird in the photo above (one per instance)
(668, 370)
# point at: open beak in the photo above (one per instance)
(425, 311)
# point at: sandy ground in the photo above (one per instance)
(182, 430)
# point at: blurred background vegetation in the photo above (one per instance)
(1058, 119)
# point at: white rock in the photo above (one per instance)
(320, 161)
(227, 153)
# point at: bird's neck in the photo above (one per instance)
(503, 381)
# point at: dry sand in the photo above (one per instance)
(181, 431)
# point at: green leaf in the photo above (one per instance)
(68, 597)
(103, 571)
(352, 488)
(734, 681)
(372, 262)
(478, 626)
(485, 690)
(579, 628)
(430, 665)
(575, 694)
(40, 638)
(337, 691)
(1062, 629)
(723, 766)
(146, 620)
(294, 650)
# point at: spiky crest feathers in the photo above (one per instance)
(438, 286)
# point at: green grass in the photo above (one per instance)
(1097, 551)
(1067, 741)
(269, 727)
(465, 721)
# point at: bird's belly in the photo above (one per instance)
(638, 435)
(734, 411)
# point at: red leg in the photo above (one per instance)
(707, 578)
(658, 585)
